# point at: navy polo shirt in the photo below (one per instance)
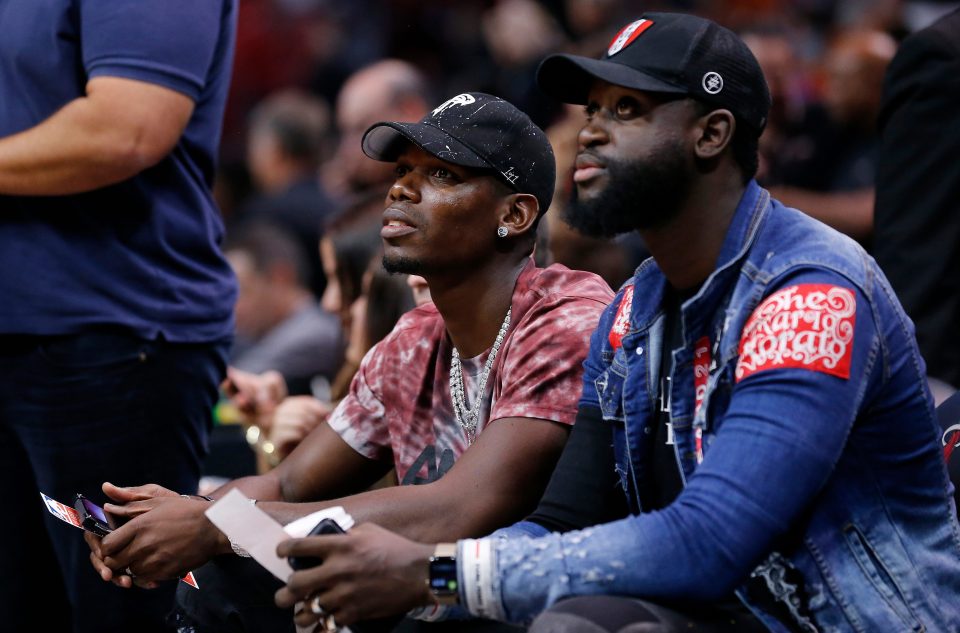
(143, 254)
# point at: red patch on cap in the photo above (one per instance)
(621, 324)
(809, 326)
(626, 36)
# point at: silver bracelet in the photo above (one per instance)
(204, 497)
(239, 551)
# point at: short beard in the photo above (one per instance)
(639, 195)
(403, 265)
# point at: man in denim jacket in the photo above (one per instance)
(774, 445)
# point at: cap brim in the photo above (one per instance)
(384, 142)
(568, 78)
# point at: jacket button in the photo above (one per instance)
(639, 351)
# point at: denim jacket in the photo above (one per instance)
(804, 433)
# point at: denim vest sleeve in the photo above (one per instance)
(774, 449)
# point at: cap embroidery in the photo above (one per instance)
(712, 82)
(459, 100)
(510, 176)
(626, 36)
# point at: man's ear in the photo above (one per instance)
(716, 133)
(519, 213)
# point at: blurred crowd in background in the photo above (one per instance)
(302, 203)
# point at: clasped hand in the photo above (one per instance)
(163, 537)
(368, 573)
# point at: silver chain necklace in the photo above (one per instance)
(469, 418)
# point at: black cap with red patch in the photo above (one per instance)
(671, 53)
(476, 130)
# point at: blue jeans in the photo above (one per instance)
(617, 614)
(76, 411)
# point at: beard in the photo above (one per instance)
(402, 265)
(644, 194)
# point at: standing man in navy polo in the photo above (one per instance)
(115, 300)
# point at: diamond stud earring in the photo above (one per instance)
(502, 231)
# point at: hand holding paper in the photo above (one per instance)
(255, 531)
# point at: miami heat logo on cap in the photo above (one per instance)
(626, 36)
(459, 100)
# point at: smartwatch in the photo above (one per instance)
(443, 581)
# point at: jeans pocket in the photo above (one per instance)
(879, 576)
(101, 350)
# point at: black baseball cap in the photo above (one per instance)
(476, 130)
(672, 53)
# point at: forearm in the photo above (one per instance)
(260, 487)
(77, 149)
(121, 127)
(633, 556)
(650, 555)
(758, 477)
(583, 489)
(426, 513)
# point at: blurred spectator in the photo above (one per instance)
(271, 55)
(881, 15)
(835, 183)
(385, 298)
(518, 34)
(280, 326)
(793, 121)
(593, 23)
(390, 89)
(258, 396)
(345, 256)
(421, 291)
(284, 146)
(374, 300)
(917, 237)
(341, 37)
(586, 18)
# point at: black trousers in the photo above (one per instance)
(236, 596)
(76, 411)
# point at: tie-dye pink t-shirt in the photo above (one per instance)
(399, 405)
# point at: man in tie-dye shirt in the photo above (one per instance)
(471, 395)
